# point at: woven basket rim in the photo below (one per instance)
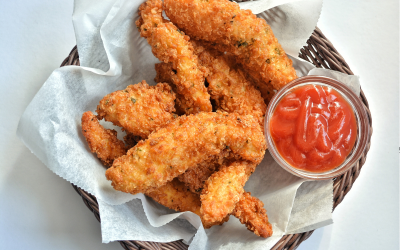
(320, 52)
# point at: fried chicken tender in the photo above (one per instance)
(170, 45)
(103, 142)
(186, 142)
(267, 90)
(195, 177)
(240, 32)
(251, 212)
(228, 85)
(222, 191)
(175, 195)
(166, 73)
(139, 109)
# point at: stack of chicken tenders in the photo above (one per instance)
(193, 140)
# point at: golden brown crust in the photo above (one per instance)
(170, 45)
(175, 195)
(103, 142)
(251, 212)
(235, 31)
(139, 109)
(222, 191)
(228, 85)
(165, 73)
(195, 177)
(184, 143)
(267, 90)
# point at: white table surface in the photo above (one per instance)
(39, 210)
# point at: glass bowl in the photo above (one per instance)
(361, 120)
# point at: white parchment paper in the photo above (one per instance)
(112, 56)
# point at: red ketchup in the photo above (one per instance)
(314, 128)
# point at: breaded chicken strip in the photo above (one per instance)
(222, 191)
(176, 196)
(195, 177)
(166, 73)
(230, 29)
(139, 109)
(251, 212)
(170, 45)
(228, 85)
(103, 142)
(184, 143)
(267, 90)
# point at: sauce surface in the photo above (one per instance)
(314, 128)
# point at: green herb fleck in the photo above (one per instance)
(278, 51)
(268, 61)
(133, 100)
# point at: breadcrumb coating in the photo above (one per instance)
(228, 85)
(139, 109)
(166, 73)
(175, 195)
(240, 32)
(170, 45)
(222, 191)
(103, 142)
(186, 142)
(195, 177)
(251, 212)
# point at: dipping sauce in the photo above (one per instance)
(314, 128)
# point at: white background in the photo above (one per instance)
(39, 210)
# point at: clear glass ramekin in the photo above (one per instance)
(363, 129)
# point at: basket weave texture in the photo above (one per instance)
(318, 51)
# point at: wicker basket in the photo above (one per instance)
(319, 52)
